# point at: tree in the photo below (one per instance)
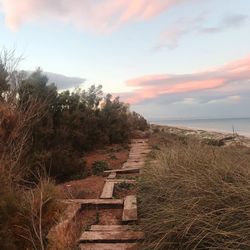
(8, 73)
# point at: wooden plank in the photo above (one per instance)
(108, 189)
(121, 181)
(138, 162)
(108, 246)
(140, 148)
(96, 201)
(133, 164)
(124, 170)
(131, 160)
(139, 141)
(137, 155)
(110, 228)
(146, 151)
(137, 158)
(130, 208)
(139, 152)
(111, 236)
(111, 176)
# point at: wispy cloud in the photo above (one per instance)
(220, 78)
(227, 99)
(228, 22)
(171, 37)
(101, 15)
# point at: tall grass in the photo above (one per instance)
(197, 197)
(27, 209)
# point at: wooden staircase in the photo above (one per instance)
(122, 236)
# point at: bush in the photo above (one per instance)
(62, 164)
(214, 142)
(38, 212)
(98, 167)
(27, 214)
(196, 197)
(123, 186)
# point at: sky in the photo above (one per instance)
(170, 59)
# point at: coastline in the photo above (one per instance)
(222, 137)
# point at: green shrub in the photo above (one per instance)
(215, 142)
(123, 186)
(113, 157)
(62, 164)
(156, 130)
(99, 166)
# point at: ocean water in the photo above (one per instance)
(238, 125)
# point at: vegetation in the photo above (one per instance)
(75, 122)
(43, 137)
(98, 167)
(196, 197)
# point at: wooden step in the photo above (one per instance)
(130, 209)
(136, 158)
(96, 201)
(139, 141)
(112, 175)
(124, 170)
(108, 246)
(139, 151)
(140, 147)
(110, 228)
(108, 189)
(129, 181)
(133, 164)
(111, 236)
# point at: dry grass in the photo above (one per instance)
(197, 197)
(27, 210)
(38, 211)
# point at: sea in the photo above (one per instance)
(240, 126)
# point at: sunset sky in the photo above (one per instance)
(168, 58)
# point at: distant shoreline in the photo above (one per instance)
(240, 126)
(200, 129)
(201, 133)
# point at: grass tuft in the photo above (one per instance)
(98, 167)
(196, 197)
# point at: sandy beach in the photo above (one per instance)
(215, 137)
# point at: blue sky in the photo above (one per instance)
(168, 58)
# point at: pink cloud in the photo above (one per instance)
(101, 15)
(153, 86)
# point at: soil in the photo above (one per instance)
(109, 216)
(115, 155)
(87, 188)
(91, 187)
(120, 193)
